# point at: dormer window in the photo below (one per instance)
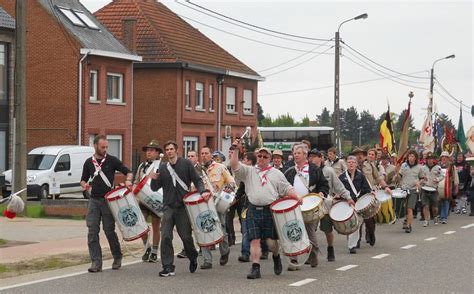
(78, 18)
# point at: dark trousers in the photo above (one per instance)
(98, 210)
(237, 207)
(178, 217)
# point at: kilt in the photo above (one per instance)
(259, 223)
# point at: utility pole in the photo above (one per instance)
(19, 115)
(337, 124)
(430, 105)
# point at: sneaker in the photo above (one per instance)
(277, 266)
(372, 239)
(182, 254)
(167, 273)
(352, 250)
(464, 211)
(254, 272)
(146, 255)
(408, 229)
(117, 263)
(405, 225)
(436, 220)
(153, 258)
(331, 256)
(458, 211)
(206, 265)
(193, 264)
(313, 259)
(426, 223)
(244, 258)
(443, 221)
(94, 268)
(224, 259)
(292, 268)
(264, 255)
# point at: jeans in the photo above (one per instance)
(445, 204)
(245, 240)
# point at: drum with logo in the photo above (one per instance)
(344, 218)
(367, 206)
(127, 214)
(291, 230)
(153, 200)
(386, 214)
(312, 208)
(206, 225)
(223, 201)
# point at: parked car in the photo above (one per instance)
(53, 170)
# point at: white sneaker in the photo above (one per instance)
(436, 220)
(426, 223)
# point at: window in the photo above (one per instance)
(3, 74)
(78, 18)
(230, 99)
(247, 101)
(211, 97)
(190, 143)
(91, 140)
(114, 87)
(86, 19)
(64, 163)
(71, 16)
(93, 85)
(115, 145)
(3, 150)
(187, 98)
(199, 96)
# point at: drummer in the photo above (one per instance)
(432, 175)
(218, 176)
(356, 183)
(338, 164)
(98, 176)
(152, 163)
(263, 185)
(307, 178)
(336, 189)
(410, 174)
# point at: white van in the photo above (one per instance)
(53, 170)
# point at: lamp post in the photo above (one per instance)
(337, 126)
(430, 106)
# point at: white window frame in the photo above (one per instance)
(120, 90)
(199, 96)
(230, 107)
(190, 143)
(91, 140)
(73, 18)
(93, 85)
(120, 139)
(211, 97)
(247, 105)
(187, 96)
(85, 19)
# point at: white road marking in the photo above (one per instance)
(380, 256)
(431, 239)
(449, 232)
(302, 282)
(408, 246)
(467, 226)
(347, 267)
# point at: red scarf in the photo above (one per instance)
(262, 173)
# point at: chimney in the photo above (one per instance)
(129, 33)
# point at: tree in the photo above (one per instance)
(324, 119)
(266, 121)
(445, 121)
(350, 126)
(370, 129)
(304, 122)
(285, 120)
(260, 115)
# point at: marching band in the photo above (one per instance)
(279, 206)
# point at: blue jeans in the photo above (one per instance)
(245, 240)
(445, 204)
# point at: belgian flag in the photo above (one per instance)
(387, 140)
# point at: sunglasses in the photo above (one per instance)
(260, 156)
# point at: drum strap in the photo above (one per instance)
(176, 178)
(153, 167)
(349, 179)
(98, 171)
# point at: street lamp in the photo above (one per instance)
(430, 107)
(336, 82)
(360, 133)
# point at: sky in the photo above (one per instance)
(405, 37)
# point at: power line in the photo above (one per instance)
(452, 103)
(374, 62)
(250, 39)
(326, 87)
(450, 95)
(244, 27)
(298, 64)
(255, 26)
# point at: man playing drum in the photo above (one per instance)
(218, 176)
(355, 182)
(336, 189)
(409, 174)
(432, 175)
(263, 185)
(307, 178)
(151, 164)
(97, 178)
(175, 178)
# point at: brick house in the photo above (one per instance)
(187, 88)
(7, 62)
(79, 78)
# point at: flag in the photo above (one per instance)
(439, 132)
(426, 134)
(402, 150)
(460, 136)
(386, 133)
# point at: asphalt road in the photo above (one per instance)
(441, 261)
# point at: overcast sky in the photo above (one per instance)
(404, 36)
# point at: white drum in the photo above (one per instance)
(312, 208)
(127, 214)
(344, 218)
(223, 201)
(291, 230)
(206, 225)
(428, 189)
(153, 200)
(367, 206)
(399, 193)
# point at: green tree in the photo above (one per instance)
(350, 126)
(324, 119)
(266, 121)
(284, 120)
(260, 115)
(370, 129)
(304, 122)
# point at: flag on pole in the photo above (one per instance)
(404, 133)
(460, 136)
(426, 134)
(386, 133)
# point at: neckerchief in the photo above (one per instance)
(262, 173)
(98, 167)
